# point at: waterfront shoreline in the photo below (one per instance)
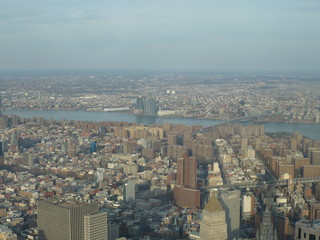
(309, 130)
(167, 116)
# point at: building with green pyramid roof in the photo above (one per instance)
(213, 225)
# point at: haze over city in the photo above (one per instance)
(186, 35)
(159, 120)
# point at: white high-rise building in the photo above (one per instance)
(130, 191)
(99, 174)
(246, 204)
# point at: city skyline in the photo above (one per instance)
(152, 120)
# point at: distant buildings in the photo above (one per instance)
(146, 106)
(140, 103)
(151, 107)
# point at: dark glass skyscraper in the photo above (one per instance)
(151, 107)
(93, 147)
(1, 148)
(140, 103)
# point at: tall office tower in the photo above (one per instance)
(4, 121)
(63, 220)
(102, 131)
(317, 117)
(248, 201)
(28, 160)
(185, 193)
(187, 172)
(140, 103)
(266, 229)
(93, 147)
(71, 149)
(0, 105)
(213, 225)
(100, 174)
(113, 231)
(309, 152)
(315, 157)
(230, 202)
(130, 191)
(64, 147)
(14, 139)
(151, 107)
(244, 146)
(96, 226)
(1, 148)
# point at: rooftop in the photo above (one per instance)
(213, 205)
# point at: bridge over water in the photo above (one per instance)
(254, 116)
(257, 116)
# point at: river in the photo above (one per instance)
(309, 130)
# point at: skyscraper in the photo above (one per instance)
(213, 224)
(187, 172)
(244, 146)
(130, 191)
(95, 226)
(140, 103)
(230, 202)
(151, 107)
(28, 160)
(185, 191)
(266, 229)
(63, 220)
(93, 147)
(1, 148)
(113, 231)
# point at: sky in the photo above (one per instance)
(161, 35)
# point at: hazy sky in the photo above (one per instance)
(192, 35)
